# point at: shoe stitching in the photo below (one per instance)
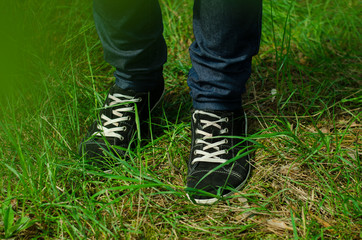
(227, 172)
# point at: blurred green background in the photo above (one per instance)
(22, 45)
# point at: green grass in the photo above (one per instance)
(307, 178)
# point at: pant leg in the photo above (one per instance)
(227, 35)
(131, 35)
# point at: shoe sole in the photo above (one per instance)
(213, 200)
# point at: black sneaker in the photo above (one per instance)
(219, 160)
(116, 125)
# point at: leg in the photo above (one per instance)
(227, 35)
(131, 35)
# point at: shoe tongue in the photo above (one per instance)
(213, 130)
(116, 89)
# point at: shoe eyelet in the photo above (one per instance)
(124, 129)
(226, 130)
(140, 99)
(226, 119)
(129, 118)
(226, 141)
(195, 152)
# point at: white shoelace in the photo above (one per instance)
(110, 126)
(212, 157)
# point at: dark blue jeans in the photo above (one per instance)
(227, 35)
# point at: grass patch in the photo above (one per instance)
(306, 182)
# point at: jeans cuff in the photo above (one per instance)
(143, 82)
(217, 106)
